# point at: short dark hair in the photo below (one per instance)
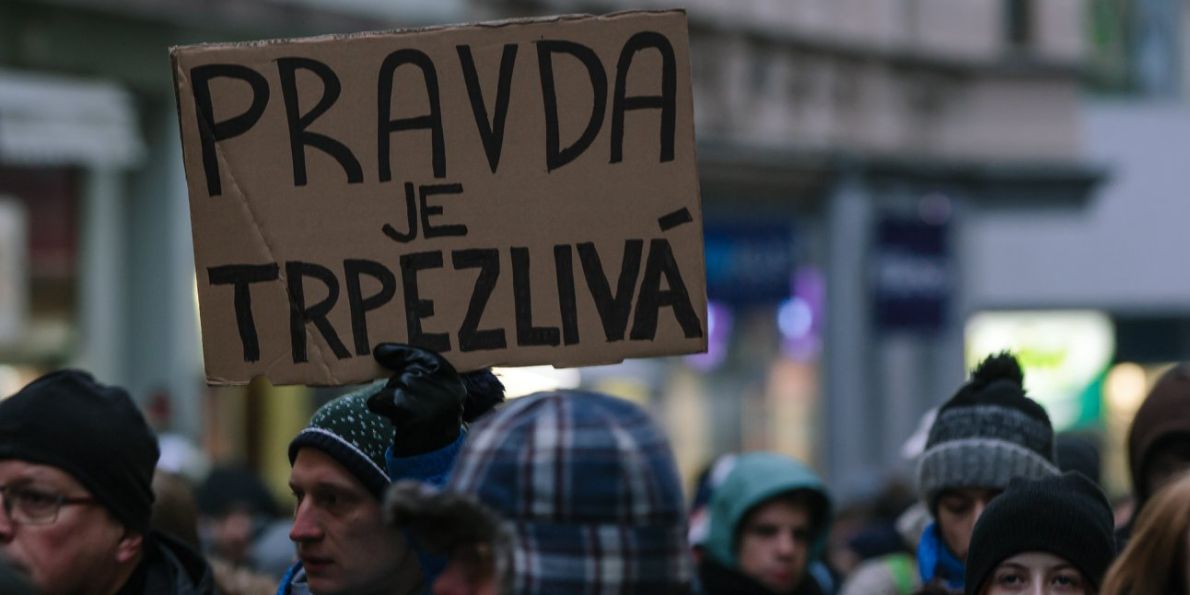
(811, 500)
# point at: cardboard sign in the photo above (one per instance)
(511, 193)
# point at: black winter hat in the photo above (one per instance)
(1067, 516)
(91, 431)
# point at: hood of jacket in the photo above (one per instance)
(1164, 413)
(756, 478)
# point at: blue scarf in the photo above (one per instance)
(934, 560)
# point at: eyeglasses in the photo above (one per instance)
(31, 506)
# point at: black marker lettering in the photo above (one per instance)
(526, 333)
(431, 121)
(299, 138)
(564, 267)
(661, 262)
(416, 308)
(488, 263)
(411, 214)
(491, 133)
(242, 276)
(556, 157)
(431, 231)
(613, 309)
(666, 101)
(300, 314)
(210, 131)
(360, 306)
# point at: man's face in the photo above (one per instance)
(341, 537)
(775, 544)
(958, 509)
(79, 552)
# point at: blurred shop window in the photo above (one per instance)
(1018, 23)
(1135, 47)
(1108, 53)
(48, 196)
(1065, 354)
(14, 270)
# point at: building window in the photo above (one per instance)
(1018, 22)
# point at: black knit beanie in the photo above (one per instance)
(1067, 516)
(91, 431)
(986, 435)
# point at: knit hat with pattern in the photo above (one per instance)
(347, 431)
(1067, 516)
(581, 486)
(986, 435)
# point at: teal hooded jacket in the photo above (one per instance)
(757, 477)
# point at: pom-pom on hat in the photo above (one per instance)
(987, 434)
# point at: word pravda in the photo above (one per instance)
(614, 306)
(490, 126)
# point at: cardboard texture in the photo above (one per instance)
(512, 193)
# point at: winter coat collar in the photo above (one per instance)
(170, 568)
(718, 579)
(934, 560)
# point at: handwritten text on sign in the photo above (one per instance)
(520, 192)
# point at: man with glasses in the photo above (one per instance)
(76, 464)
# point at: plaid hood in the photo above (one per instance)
(585, 489)
(755, 478)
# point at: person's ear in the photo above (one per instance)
(129, 546)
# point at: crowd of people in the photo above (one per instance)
(428, 482)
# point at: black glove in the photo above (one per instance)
(423, 399)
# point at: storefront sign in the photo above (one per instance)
(1065, 355)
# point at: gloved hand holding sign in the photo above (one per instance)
(423, 399)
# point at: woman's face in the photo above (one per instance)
(1037, 573)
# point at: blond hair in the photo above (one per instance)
(1155, 557)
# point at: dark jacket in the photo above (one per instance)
(169, 568)
(717, 579)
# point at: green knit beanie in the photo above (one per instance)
(347, 431)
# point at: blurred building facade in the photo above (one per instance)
(869, 135)
(1116, 256)
(98, 267)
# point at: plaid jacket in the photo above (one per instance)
(587, 487)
